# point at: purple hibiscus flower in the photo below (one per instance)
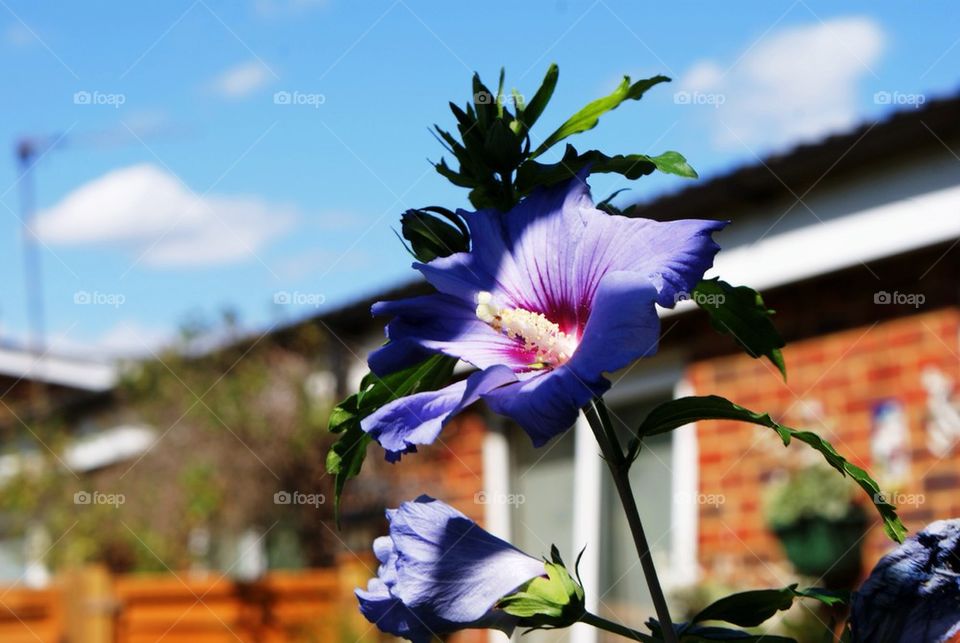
(913, 594)
(440, 572)
(550, 296)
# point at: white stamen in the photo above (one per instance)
(539, 335)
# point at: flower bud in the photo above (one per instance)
(551, 601)
(430, 236)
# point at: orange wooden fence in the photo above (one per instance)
(90, 606)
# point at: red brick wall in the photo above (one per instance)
(845, 374)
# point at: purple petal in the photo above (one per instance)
(385, 610)
(546, 403)
(418, 419)
(673, 255)
(450, 565)
(623, 326)
(550, 252)
(390, 614)
(441, 324)
(396, 355)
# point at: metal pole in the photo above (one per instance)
(33, 277)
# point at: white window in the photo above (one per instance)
(562, 494)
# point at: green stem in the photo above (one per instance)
(615, 628)
(596, 414)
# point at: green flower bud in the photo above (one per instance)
(430, 236)
(547, 602)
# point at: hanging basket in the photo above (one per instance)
(825, 548)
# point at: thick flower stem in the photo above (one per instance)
(615, 628)
(596, 414)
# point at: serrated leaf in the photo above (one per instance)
(345, 458)
(532, 174)
(740, 312)
(751, 608)
(587, 118)
(533, 109)
(685, 410)
(674, 163)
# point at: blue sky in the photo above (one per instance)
(182, 185)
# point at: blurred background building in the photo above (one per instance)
(167, 160)
(850, 241)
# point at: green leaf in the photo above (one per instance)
(829, 597)
(345, 458)
(531, 174)
(750, 609)
(588, 117)
(532, 111)
(740, 312)
(674, 163)
(456, 178)
(685, 410)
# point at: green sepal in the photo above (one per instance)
(547, 602)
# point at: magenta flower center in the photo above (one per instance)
(539, 336)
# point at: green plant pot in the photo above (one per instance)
(827, 549)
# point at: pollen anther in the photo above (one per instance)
(539, 335)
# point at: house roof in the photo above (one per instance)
(70, 372)
(905, 132)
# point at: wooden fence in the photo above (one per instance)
(91, 606)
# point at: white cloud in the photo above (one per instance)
(794, 85)
(151, 213)
(242, 80)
